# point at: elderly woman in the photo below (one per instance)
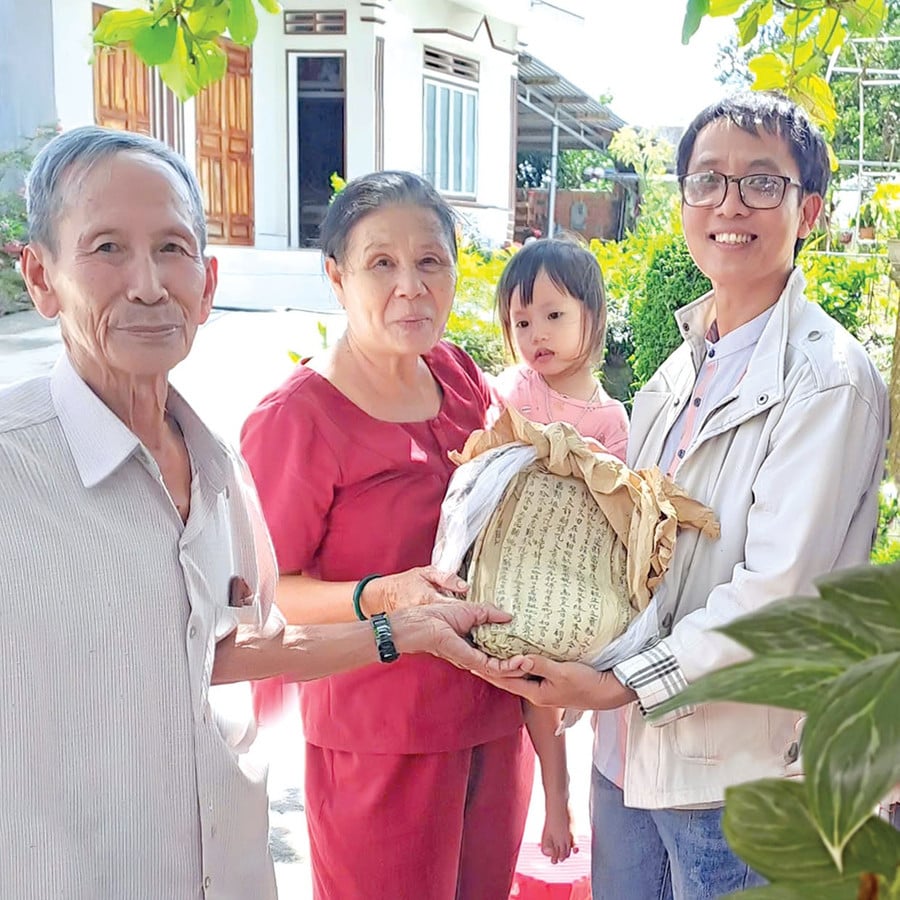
(417, 783)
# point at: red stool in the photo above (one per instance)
(538, 879)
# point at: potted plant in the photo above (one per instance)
(836, 657)
(865, 221)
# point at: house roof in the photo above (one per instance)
(544, 95)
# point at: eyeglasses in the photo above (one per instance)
(709, 189)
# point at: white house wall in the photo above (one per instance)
(404, 77)
(488, 211)
(72, 50)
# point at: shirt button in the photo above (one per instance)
(206, 883)
(712, 352)
(792, 753)
(192, 631)
(696, 401)
(681, 454)
(814, 335)
(762, 399)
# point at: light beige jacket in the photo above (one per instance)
(790, 462)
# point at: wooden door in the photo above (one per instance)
(121, 88)
(225, 150)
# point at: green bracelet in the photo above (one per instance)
(357, 596)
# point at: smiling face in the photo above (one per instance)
(128, 281)
(746, 251)
(396, 280)
(549, 332)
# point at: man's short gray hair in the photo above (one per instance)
(81, 148)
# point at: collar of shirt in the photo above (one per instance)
(695, 319)
(741, 339)
(100, 442)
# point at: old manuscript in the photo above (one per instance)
(576, 545)
(549, 555)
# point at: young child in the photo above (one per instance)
(553, 312)
(552, 308)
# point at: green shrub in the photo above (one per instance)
(840, 285)
(672, 281)
(624, 265)
(887, 537)
(479, 335)
(472, 324)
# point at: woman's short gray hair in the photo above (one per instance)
(81, 148)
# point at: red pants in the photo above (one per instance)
(436, 826)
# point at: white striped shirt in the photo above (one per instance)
(115, 780)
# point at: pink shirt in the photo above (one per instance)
(346, 495)
(603, 418)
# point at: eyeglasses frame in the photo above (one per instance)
(738, 180)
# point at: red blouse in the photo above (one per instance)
(346, 495)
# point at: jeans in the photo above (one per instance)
(660, 854)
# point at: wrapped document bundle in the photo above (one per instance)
(570, 541)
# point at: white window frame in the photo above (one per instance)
(458, 146)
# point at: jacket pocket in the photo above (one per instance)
(691, 737)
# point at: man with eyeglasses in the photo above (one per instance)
(772, 414)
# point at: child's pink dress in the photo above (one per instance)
(602, 418)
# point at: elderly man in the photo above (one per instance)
(138, 569)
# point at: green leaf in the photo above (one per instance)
(872, 593)
(164, 8)
(812, 65)
(805, 628)
(210, 21)
(210, 62)
(851, 747)
(830, 34)
(179, 73)
(770, 72)
(866, 17)
(803, 52)
(798, 21)
(119, 25)
(747, 25)
(154, 45)
(242, 22)
(842, 889)
(693, 16)
(724, 7)
(814, 95)
(779, 681)
(271, 6)
(769, 825)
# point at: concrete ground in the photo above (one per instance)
(269, 304)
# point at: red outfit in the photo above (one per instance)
(346, 495)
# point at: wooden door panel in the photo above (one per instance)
(121, 88)
(225, 150)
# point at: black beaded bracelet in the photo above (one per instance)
(357, 596)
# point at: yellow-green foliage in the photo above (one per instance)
(472, 324)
